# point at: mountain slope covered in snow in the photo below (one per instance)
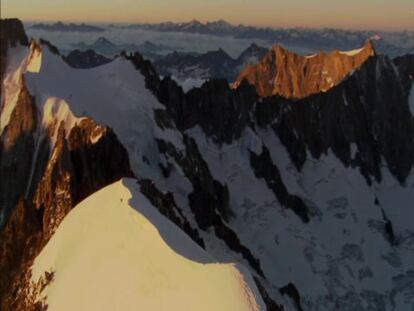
(115, 251)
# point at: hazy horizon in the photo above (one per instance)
(351, 14)
(103, 23)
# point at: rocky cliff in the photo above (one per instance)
(290, 75)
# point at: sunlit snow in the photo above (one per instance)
(115, 251)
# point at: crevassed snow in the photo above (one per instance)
(342, 257)
(115, 251)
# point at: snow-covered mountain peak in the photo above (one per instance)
(117, 236)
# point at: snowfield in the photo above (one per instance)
(115, 251)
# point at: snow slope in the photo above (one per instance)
(342, 257)
(113, 94)
(115, 251)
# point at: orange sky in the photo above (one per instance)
(351, 14)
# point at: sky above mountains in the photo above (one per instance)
(350, 14)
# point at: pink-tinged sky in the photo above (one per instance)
(352, 14)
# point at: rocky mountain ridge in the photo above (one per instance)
(290, 75)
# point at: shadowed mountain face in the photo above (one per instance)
(86, 59)
(290, 75)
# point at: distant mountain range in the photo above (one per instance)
(59, 26)
(392, 43)
(298, 39)
(107, 48)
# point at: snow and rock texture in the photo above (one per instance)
(290, 75)
(278, 173)
(313, 195)
(116, 237)
(50, 160)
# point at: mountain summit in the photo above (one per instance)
(290, 75)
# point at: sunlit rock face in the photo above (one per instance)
(290, 75)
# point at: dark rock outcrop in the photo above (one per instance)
(11, 34)
(405, 65)
(293, 293)
(86, 59)
(209, 200)
(166, 205)
(271, 305)
(209, 196)
(264, 168)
